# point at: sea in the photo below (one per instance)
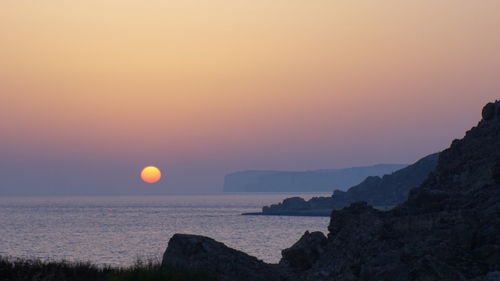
(119, 230)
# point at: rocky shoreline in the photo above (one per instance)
(447, 230)
(383, 193)
(298, 213)
(307, 213)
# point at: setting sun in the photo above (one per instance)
(150, 174)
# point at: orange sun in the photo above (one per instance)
(150, 174)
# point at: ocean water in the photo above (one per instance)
(117, 230)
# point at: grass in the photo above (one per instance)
(16, 269)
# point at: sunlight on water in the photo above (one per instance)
(117, 230)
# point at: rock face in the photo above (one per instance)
(308, 181)
(386, 191)
(389, 190)
(447, 230)
(193, 252)
(305, 252)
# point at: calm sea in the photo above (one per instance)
(118, 230)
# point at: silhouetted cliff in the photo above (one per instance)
(448, 229)
(386, 191)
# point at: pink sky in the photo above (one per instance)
(92, 91)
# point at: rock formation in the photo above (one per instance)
(447, 230)
(193, 252)
(305, 252)
(384, 192)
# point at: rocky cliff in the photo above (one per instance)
(448, 229)
(387, 191)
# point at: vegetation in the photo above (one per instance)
(16, 269)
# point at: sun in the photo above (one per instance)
(150, 174)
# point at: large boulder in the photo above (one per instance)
(199, 253)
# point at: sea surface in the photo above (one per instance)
(117, 230)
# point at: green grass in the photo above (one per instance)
(15, 269)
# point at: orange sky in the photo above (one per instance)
(217, 86)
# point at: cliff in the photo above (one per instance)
(303, 181)
(383, 192)
(447, 230)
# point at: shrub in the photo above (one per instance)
(16, 269)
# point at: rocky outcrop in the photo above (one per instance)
(447, 230)
(382, 192)
(305, 252)
(389, 190)
(199, 253)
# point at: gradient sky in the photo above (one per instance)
(92, 91)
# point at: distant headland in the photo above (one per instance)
(303, 181)
(381, 192)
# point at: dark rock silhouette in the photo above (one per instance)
(384, 192)
(447, 230)
(193, 252)
(289, 181)
(305, 252)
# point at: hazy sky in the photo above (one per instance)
(92, 91)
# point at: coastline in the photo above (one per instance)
(307, 213)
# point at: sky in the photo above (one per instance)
(92, 91)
